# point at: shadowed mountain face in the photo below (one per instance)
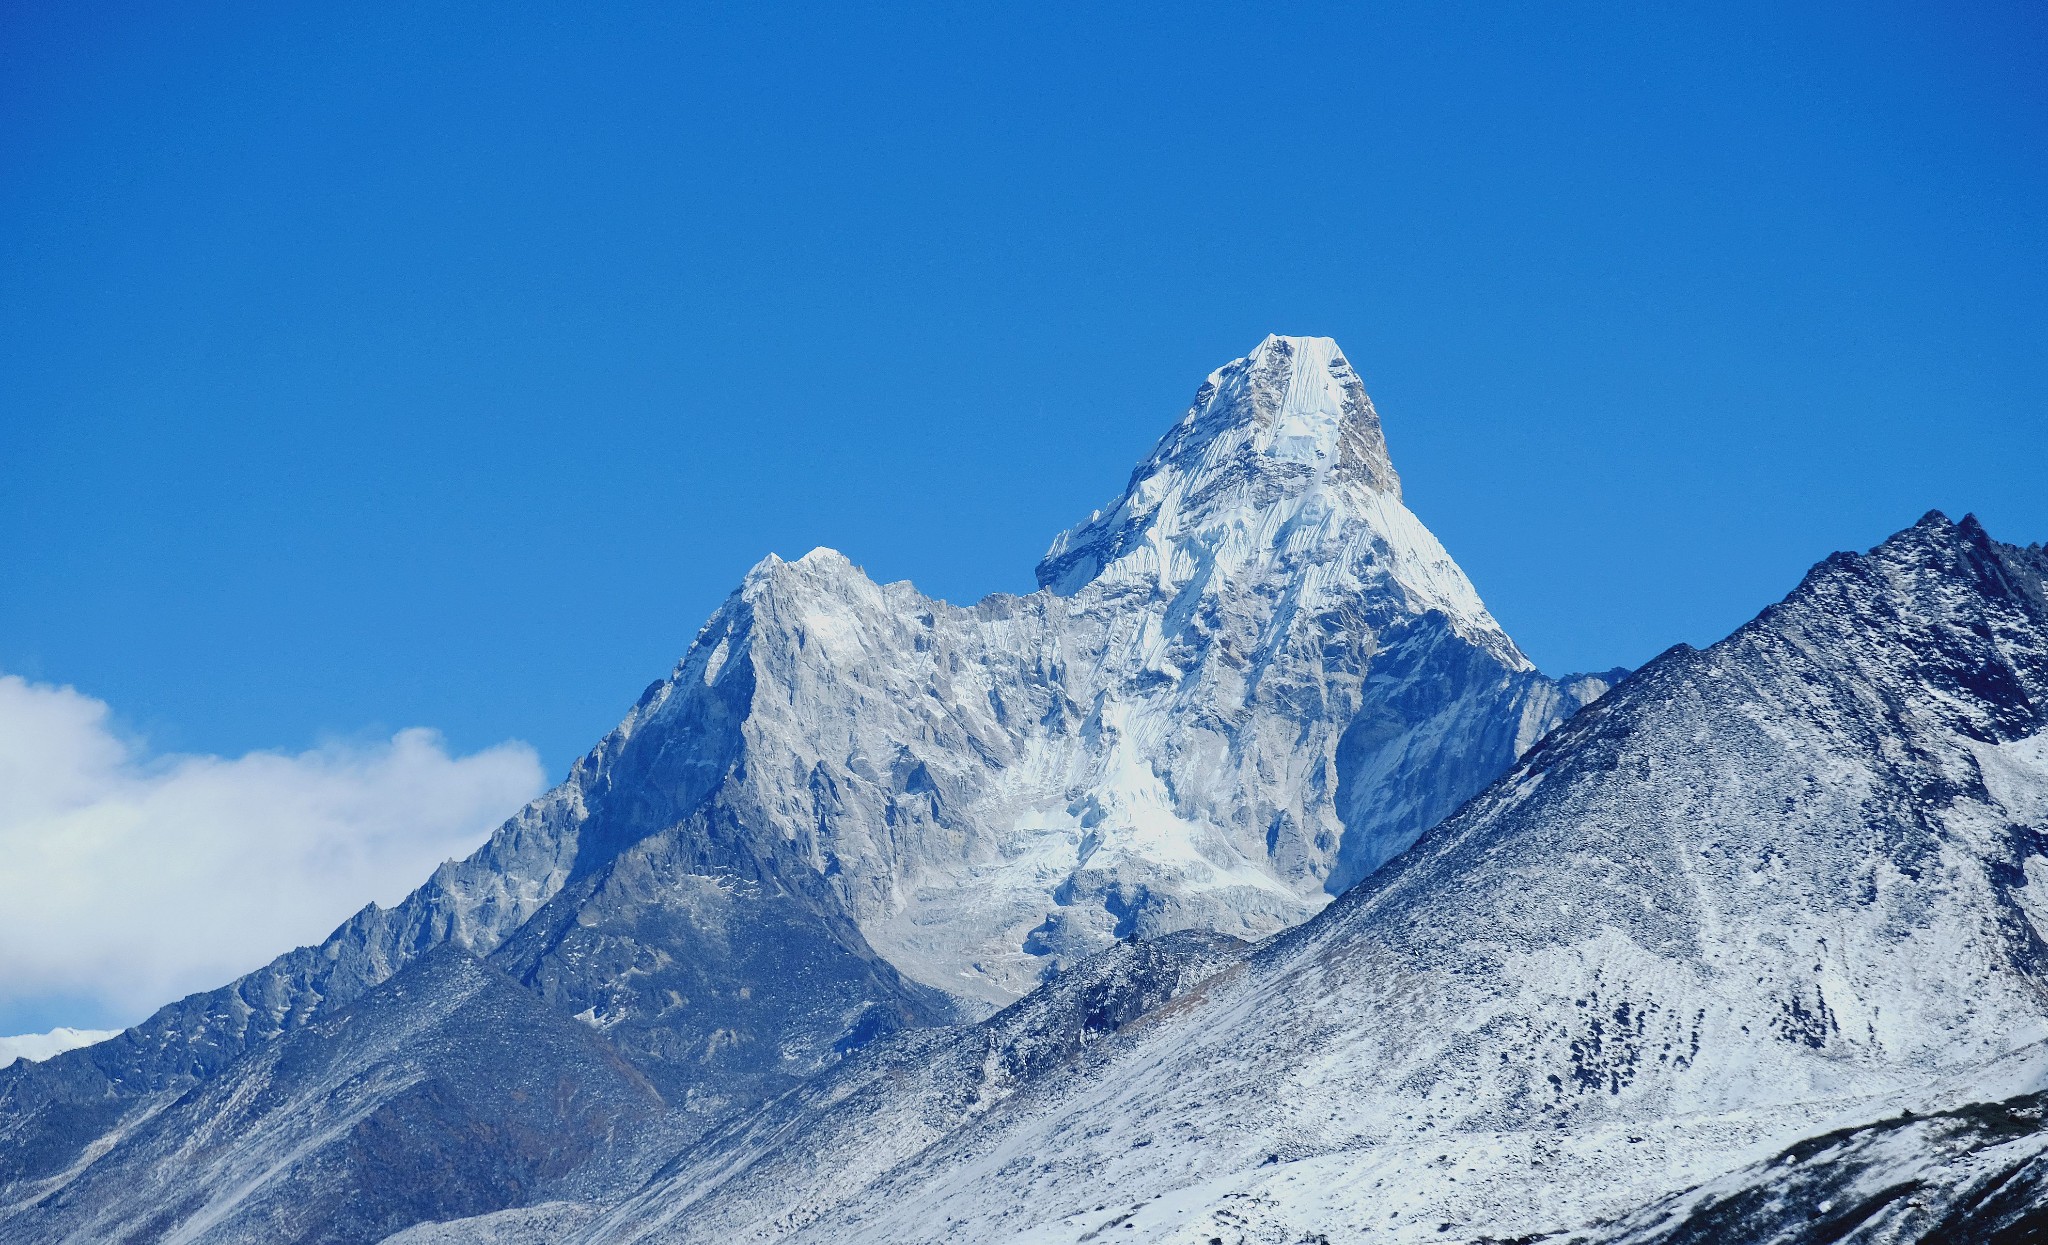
(1758, 891)
(438, 1094)
(850, 810)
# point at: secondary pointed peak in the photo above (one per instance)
(819, 555)
(825, 557)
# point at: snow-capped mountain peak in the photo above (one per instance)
(1299, 400)
(1293, 400)
(852, 808)
(1277, 474)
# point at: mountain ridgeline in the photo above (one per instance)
(852, 810)
(1243, 885)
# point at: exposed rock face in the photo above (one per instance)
(1760, 890)
(852, 809)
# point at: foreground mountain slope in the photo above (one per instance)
(900, 1097)
(1756, 889)
(433, 1095)
(1974, 1174)
(851, 809)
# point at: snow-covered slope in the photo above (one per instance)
(38, 1046)
(894, 1100)
(1756, 892)
(1969, 1174)
(850, 809)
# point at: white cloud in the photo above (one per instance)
(132, 879)
(36, 1047)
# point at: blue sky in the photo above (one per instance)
(364, 367)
